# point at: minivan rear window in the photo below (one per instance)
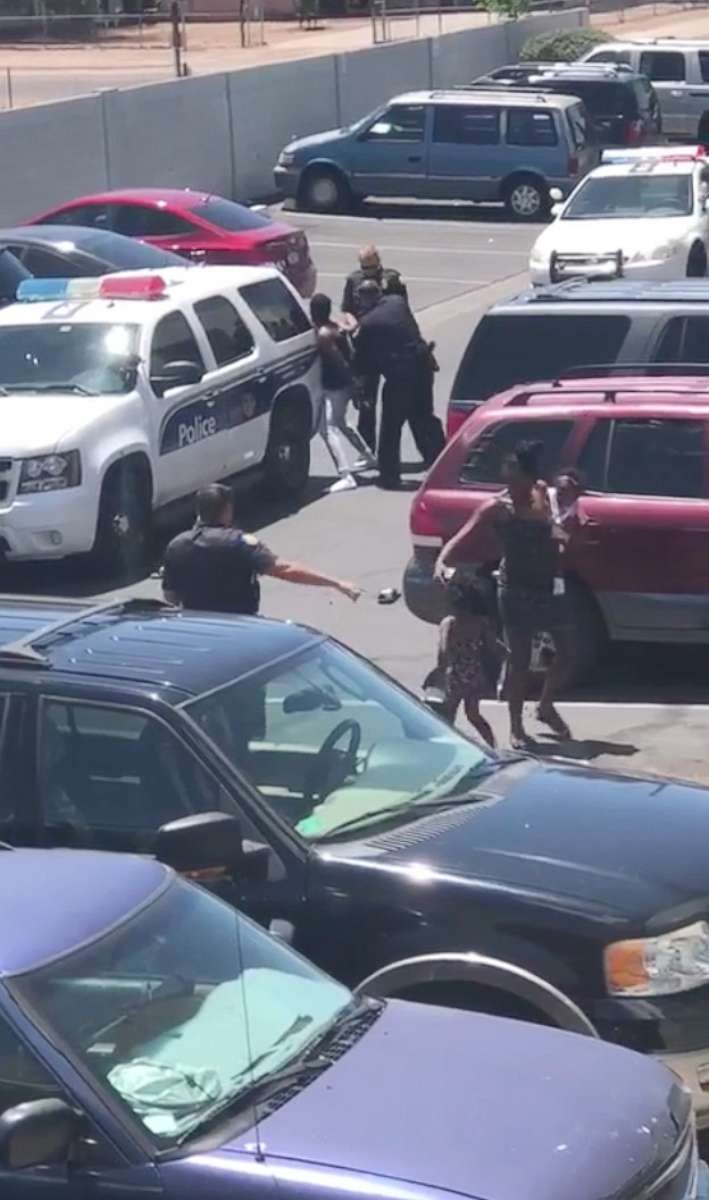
(602, 98)
(529, 347)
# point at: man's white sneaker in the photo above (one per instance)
(345, 484)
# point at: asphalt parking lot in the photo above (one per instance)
(647, 708)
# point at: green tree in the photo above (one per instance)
(562, 45)
(511, 9)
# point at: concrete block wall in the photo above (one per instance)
(222, 133)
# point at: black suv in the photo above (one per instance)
(657, 326)
(622, 105)
(375, 831)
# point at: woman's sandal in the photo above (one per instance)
(554, 721)
(522, 741)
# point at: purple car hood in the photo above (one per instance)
(480, 1106)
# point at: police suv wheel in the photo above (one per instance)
(526, 200)
(324, 191)
(287, 461)
(123, 527)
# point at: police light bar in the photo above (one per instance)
(654, 154)
(107, 287)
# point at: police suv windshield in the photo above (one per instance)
(182, 1010)
(625, 197)
(98, 359)
(334, 746)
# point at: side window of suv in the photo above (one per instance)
(22, 1076)
(684, 340)
(610, 56)
(227, 335)
(400, 123)
(276, 308)
(704, 65)
(110, 777)
(663, 66)
(531, 127)
(173, 341)
(487, 454)
(646, 456)
(459, 125)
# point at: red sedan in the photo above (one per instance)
(196, 225)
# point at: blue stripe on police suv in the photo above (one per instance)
(206, 416)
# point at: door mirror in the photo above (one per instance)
(556, 195)
(204, 842)
(181, 373)
(37, 1133)
(556, 209)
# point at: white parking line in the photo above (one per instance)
(439, 250)
(418, 279)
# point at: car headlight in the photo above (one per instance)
(286, 158)
(50, 473)
(656, 254)
(659, 966)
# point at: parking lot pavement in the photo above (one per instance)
(644, 711)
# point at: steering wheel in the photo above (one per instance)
(330, 769)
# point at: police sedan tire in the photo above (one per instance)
(324, 191)
(123, 528)
(287, 461)
(526, 199)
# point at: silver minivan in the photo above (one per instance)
(679, 73)
(450, 145)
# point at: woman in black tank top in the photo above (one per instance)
(519, 523)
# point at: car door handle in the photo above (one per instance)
(414, 158)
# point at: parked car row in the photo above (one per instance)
(314, 793)
(154, 1041)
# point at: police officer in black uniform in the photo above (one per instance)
(391, 283)
(216, 567)
(389, 343)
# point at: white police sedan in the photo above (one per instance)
(641, 214)
(122, 395)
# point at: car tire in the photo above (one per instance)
(123, 528)
(697, 262)
(286, 463)
(526, 198)
(324, 190)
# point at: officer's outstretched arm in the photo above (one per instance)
(292, 572)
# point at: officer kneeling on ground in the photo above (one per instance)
(215, 567)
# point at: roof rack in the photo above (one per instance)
(599, 370)
(21, 652)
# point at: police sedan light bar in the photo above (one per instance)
(107, 287)
(653, 154)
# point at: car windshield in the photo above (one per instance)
(333, 745)
(625, 197)
(67, 357)
(183, 1009)
(225, 214)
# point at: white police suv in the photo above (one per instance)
(122, 395)
(642, 214)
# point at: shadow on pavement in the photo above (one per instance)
(407, 210)
(583, 750)
(71, 576)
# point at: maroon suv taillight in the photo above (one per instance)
(423, 523)
(634, 133)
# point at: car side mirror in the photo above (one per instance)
(556, 209)
(556, 195)
(177, 374)
(204, 842)
(38, 1133)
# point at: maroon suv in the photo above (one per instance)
(639, 568)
